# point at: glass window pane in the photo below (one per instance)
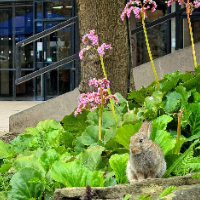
(38, 10)
(58, 9)
(24, 29)
(6, 85)
(58, 44)
(6, 38)
(25, 91)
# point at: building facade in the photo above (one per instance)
(22, 19)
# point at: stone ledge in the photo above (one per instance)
(151, 187)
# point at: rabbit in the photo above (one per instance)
(146, 157)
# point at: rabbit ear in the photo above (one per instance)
(149, 129)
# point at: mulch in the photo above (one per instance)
(8, 137)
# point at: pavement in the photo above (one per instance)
(8, 108)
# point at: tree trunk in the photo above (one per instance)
(104, 17)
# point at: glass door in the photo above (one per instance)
(57, 46)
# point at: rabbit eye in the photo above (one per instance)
(141, 140)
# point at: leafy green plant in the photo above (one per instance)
(143, 197)
(167, 191)
(127, 197)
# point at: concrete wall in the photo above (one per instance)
(55, 108)
(181, 60)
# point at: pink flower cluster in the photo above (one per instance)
(94, 39)
(191, 5)
(93, 100)
(102, 47)
(137, 8)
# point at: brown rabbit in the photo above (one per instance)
(146, 157)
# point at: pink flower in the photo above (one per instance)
(137, 8)
(93, 100)
(191, 5)
(102, 47)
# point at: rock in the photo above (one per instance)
(187, 188)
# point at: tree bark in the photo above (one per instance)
(104, 17)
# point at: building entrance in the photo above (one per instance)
(22, 19)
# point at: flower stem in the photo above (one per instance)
(191, 35)
(108, 88)
(101, 112)
(149, 51)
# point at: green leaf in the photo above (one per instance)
(91, 157)
(130, 117)
(93, 118)
(194, 119)
(165, 141)
(171, 83)
(139, 95)
(160, 124)
(127, 197)
(173, 98)
(184, 95)
(118, 163)
(91, 135)
(6, 150)
(66, 138)
(3, 195)
(29, 162)
(48, 158)
(74, 174)
(4, 168)
(121, 98)
(110, 133)
(79, 145)
(179, 144)
(22, 189)
(124, 133)
(108, 119)
(180, 159)
(75, 124)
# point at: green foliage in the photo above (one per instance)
(52, 156)
(167, 191)
(74, 174)
(118, 163)
(143, 197)
(127, 197)
(22, 189)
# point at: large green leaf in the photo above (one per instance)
(93, 118)
(49, 125)
(108, 119)
(48, 158)
(74, 174)
(165, 141)
(160, 123)
(29, 161)
(91, 135)
(171, 103)
(118, 163)
(194, 119)
(91, 157)
(184, 95)
(130, 117)
(110, 133)
(22, 189)
(3, 195)
(6, 150)
(75, 124)
(79, 145)
(124, 133)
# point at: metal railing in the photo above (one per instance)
(75, 57)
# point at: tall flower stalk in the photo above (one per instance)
(140, 11)
(91, 101)
(92, 37)
(189, 9)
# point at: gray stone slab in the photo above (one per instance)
(55, 108)
(181, 60)
(150, 187)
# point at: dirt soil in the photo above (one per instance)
(8, 137)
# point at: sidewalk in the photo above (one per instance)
(8, 108)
